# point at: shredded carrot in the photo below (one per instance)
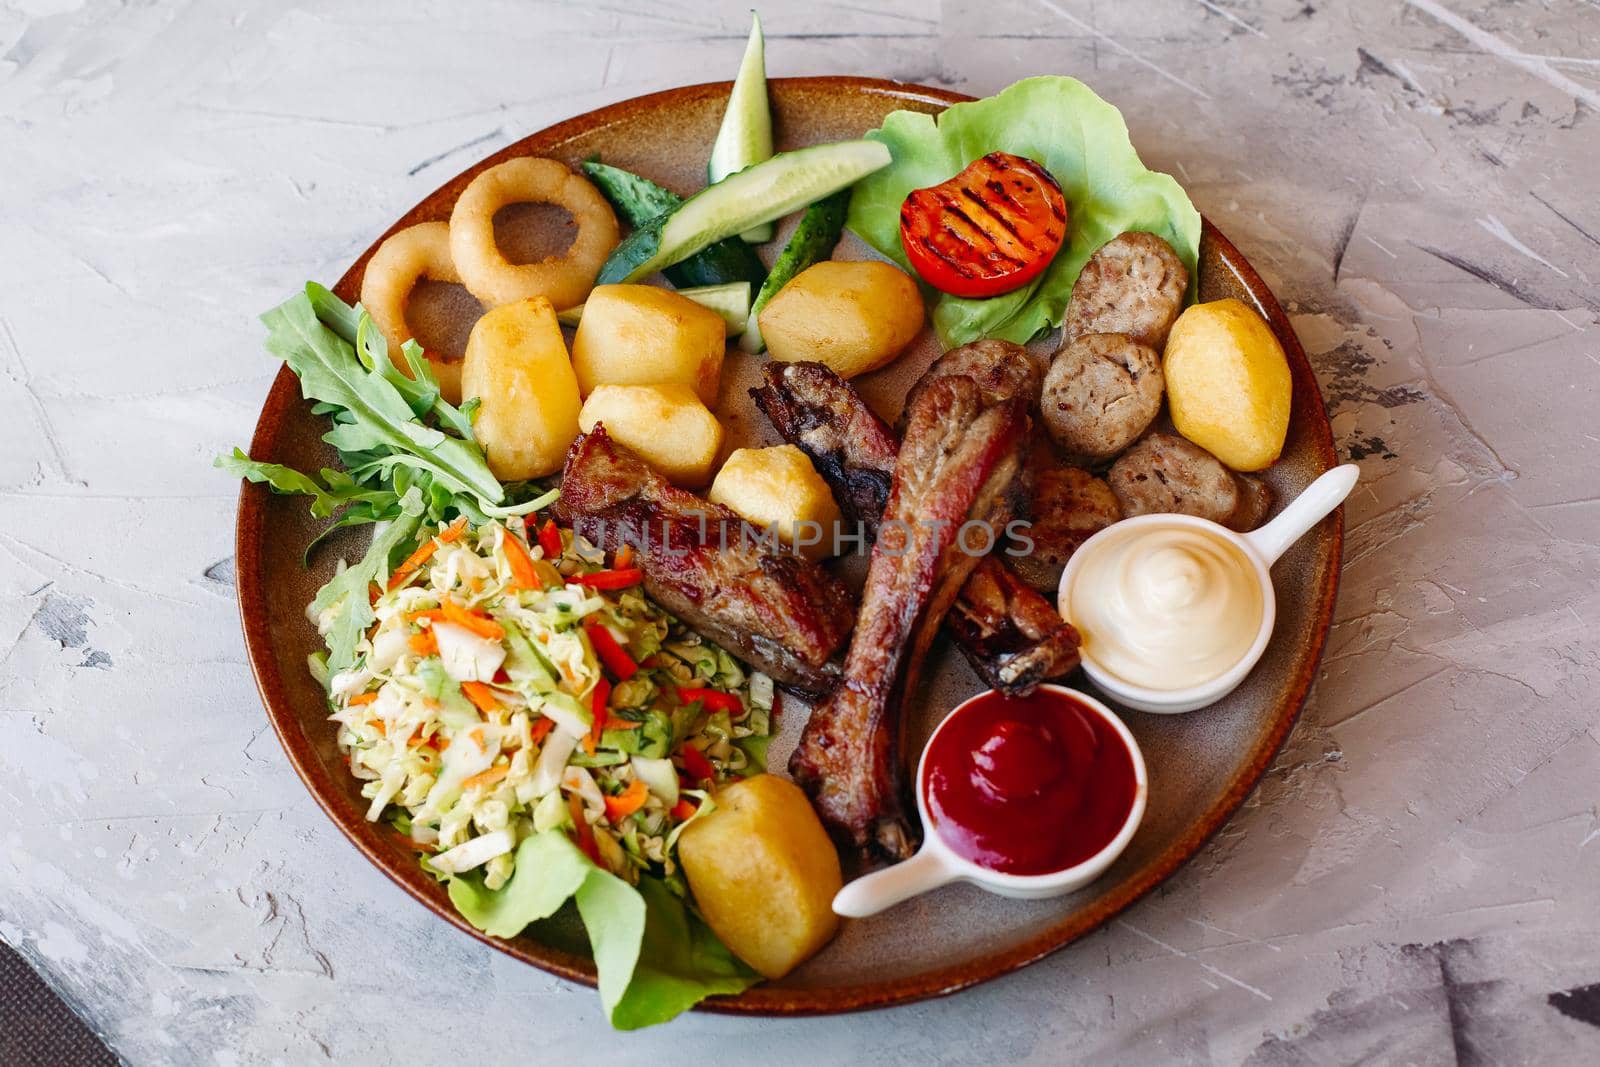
(363, 698)
(378, 725)
(486, 778)
(424, 643)
(483, 698)
(541, 730)
(522, 571)
(623, 557)
(477, 739)
(402, 574)
(424, 552)
(374, 591)
(627, 802)
(475, 621)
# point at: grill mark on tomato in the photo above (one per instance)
(959, 265)
(1002, 221)
(994, 251)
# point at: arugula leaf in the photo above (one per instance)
(347, 590)
(1081, 139)
(334, 491)
(330, 372)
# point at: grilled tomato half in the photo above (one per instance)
(991, 229)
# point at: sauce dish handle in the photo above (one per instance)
(873, 893)
(1308, 509)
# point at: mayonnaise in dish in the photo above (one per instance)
(1166, 607)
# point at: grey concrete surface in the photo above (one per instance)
(1416, 881)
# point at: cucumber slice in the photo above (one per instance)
(638, 200)
(767, 191)
(745, 138)
(730, 300)
(812, 242)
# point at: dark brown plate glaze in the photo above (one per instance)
(1202, 765)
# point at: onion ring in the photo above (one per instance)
(405, 258)
(564, 280)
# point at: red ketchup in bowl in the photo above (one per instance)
(1028, 785)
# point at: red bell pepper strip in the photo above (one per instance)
(613, 579)
(715, 700)
(698, 767)
(597, 711)
(612, 654)
(550, 540)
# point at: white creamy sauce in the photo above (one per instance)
(1166, 607)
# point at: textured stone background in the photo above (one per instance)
(1418, 878)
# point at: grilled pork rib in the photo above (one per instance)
(1013, 637)
(774, 609)
(960, 462)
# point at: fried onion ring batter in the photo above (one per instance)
(565, 280)
(404, 259)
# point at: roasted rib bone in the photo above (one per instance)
(1014, 638)
(775, 609)
(959, 462)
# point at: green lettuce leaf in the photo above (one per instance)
(1083, 142)
(655, 959)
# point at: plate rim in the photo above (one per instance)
(763, 999)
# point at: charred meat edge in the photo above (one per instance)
(960, 461)
(780, 612)
(1013, 637)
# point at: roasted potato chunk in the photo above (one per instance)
(1228, 384)
(779, 489)
(666, 425)
(645, 335)
(517, 367)
(764, 873)
(854, 317)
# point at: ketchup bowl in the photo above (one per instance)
(1023, 796)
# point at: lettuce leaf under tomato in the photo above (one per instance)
(1082, 140)
(654, 957)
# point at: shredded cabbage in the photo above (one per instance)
(468, 710)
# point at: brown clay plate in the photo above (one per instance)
(1202, 765)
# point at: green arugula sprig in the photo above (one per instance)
(381, 424)
(409, 455)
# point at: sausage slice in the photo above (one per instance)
(1165, 474)
(1133, 284)
(1101, 392)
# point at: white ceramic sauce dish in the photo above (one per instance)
(1260, 548)
(937, 864)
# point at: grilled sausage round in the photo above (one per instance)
(1069, 505)
(1133, 284)
(1001, 370)
(1168, 474)
(1102, 391)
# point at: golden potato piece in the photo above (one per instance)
(646, 335)
(853, 316)
(764, 873)
(666, 425)
(517, 367)
(778, 488)
(1228, 384)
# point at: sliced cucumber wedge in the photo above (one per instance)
(762, 193)
(730, 300)
(638, 200)
(745, 138)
